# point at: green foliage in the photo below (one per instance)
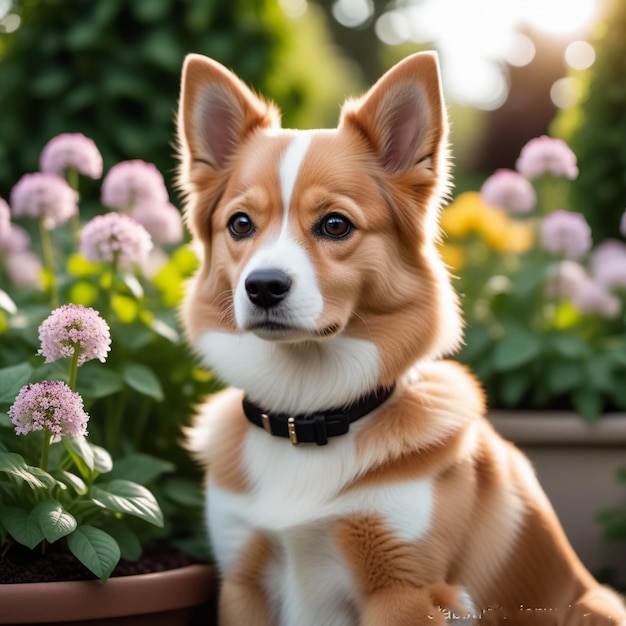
(111, 70)
(530, 339)
(613, 520)
(599, 138)
(106, 496)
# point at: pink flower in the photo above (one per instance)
(5, 218)
(565, 279)
(15, 240)
(161, 220)
(510, 191)
(594, 298)
(23, 269)
(71, 151)
(622, 224)
(115, 237)
(72, 328)
(566, 233)
(608, 264)
(547, 155)
(50, 405)
(131, 182)
(45, 196)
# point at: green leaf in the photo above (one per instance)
(142, 379)
(141, 468)
(71, 480)
(12, 379)
(55, 522)
(102, 461)
(600, 372)
(81, 452)
(478, 340)
(513, 386)
(6, 303)
(564, 376)
(124, 496)
(23, 526)
(133, 285)
(163, 329)
(15, 465)
(518, 347)
(184, 492)
(588, 403)
(569, 345)
(95, 549)
(99, 383)
(126, 539)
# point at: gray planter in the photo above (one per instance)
(576, 463)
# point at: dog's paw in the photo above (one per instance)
(598, 607)
(437, 605)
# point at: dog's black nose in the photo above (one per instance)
(266, 288)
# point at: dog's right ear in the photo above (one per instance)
(216, 113)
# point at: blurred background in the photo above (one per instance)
(512, 70)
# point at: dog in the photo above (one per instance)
(352, 478)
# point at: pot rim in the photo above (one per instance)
(559, 427)
(72, 601)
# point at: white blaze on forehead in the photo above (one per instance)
(289, 168)
(304, 303)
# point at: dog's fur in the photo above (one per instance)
(421, 514)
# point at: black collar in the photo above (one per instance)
(315, 427)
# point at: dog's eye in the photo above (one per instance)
(240, 226)
(334, 226)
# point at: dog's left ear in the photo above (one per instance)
(403, 114)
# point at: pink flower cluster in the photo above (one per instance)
(592, 292)
(138, 188)
(547, 155)
(49, 405)
(132, 182)
(510, 191)
(71, 151)
(44, 196)
(22, 266)
(72, 328)
(5, 219)
(115, 237)
(566, 233)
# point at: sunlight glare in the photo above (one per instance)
(557, 17)
(580, 55)
(352, 13)
(565, 92)
(521, 50)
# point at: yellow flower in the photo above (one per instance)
(469, 214)
(453, 256)
(464, 215)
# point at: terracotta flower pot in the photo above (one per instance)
(576, 462)
(177, 597)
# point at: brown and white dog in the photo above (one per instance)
(322, 301)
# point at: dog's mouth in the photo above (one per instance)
(277, 331)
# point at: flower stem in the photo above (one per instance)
(72, 179)
(45, 449)
(47, 252)
(74, 367)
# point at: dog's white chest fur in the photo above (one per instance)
(294, 502)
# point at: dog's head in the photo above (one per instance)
(319, 263)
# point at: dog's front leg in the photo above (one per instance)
(399, 583)
(242, 598)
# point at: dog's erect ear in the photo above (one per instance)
(402, 115)
(216, 113)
